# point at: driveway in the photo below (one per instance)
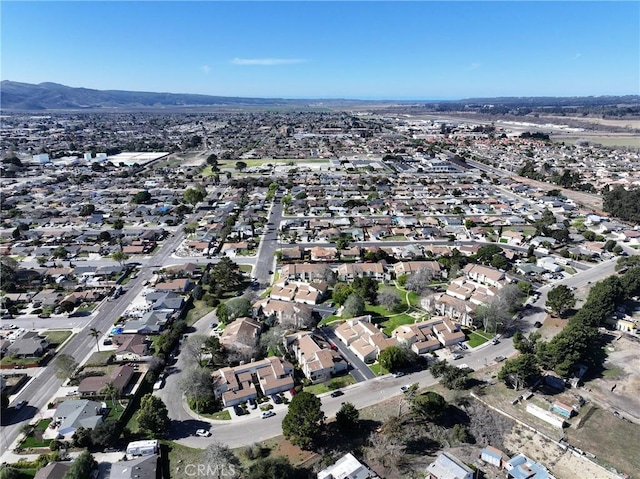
(360, 371)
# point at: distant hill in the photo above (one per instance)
(52, 96)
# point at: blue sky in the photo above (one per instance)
(331, 49)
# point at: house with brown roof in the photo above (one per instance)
(317, 363)
(409, 267)
(131, 347)
(242, 332)
(319, 253)
(299, 291)
(120, 378)
(349, 271)
(283, 311)
(179, 285)
(485, 275)
(447, 332)
(238, 384)
(419, 336)
(303, 272)
(363, 338)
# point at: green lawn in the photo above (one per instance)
(223, 415)
(245, 268)
(378, 369)
(330, 319)
(331, 385)
(197, 311)
(478, 337)
(98, 359)
(32, 442)
(57, 337)
(393, 322)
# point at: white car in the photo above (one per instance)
(266, 414)
(203, 433)
(398, 374)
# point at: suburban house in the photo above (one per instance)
(485, 275)
(447, 466)
(299, 291)
(242, 332)
(455, 308)
(77, 413)
(131, 347)
(409, 267)
(282, 310)
(144, 467)
(447, 332)
(120, 378)
(521, 467)
(317, 363)
(152, 322)
(419, 336)
(179, 285)
(349, 271)
(304, 272)
(364, 338)
(53, 470)
(238, 384)
(29, 345)
(347, 467)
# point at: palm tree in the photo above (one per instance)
(110, 390)
(96, 334)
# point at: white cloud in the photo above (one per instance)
(266, 61)
(205, 68)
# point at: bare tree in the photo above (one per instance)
(196, 383)
(389, 299)
(272, 340)
(419, 281)
(193, 348)
(220, 462)
(298, 317)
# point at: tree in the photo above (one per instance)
(341, 292)
(241, 165)
(366, 288)
(353, 306)
(118, 224)
(347, 417)
(106, 433)
(190, 228)
(220, 462)
(65, 366)
(390, 300)
(419, 281)
(153, 416)
(193, 196)
(193, 348)
(233, 309)
(95, 334)
(111, 391)
(213, 347)
(141, 198)
(486, 253)
(560, 299)
(87, 209)
(525, 345)
(428, 406)
(393, 358)
(81, 467)
(120, 257)
(8, 472)
(521, 371)
(197, 386)
(303, 422)
(60, 253)
(224, 276)
(271, 468)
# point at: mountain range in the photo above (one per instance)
(53, 96)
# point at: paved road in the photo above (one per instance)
(44, 385)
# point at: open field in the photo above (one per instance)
(331, 385)
(630, 141)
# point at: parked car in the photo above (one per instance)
(398, 374)
(499, 359)
(405, 388)
(276, 399)
(266, 414)
(44, 315)
(457, 356)
(73, 392)
(252, 404)
(20, 405)
(158, 384)
(238, 410)
(537, 324)
(203, 433)
(336, 393)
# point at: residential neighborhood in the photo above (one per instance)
(199, 291)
